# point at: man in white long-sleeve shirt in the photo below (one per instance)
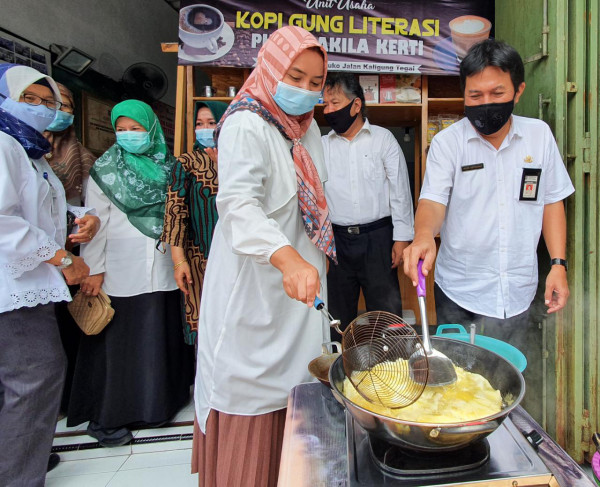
(370, 204)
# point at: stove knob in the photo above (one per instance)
(534, 438)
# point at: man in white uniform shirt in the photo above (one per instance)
(494, 182)
(370, 204)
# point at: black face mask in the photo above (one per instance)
(340, 120)
(488, 119)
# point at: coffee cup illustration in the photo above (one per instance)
(468, 30)
(200, 26)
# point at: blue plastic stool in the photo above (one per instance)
(505, 350)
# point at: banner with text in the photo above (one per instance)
(402, 36)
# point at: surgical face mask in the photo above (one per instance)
(489, 118)
(62, 121)
(37, 117)
(134, 141)
(341, 120)
(205, 137)
(295, 101)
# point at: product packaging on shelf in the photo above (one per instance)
(400, 88)
(370, 85)
(433, 127)
(447, 119)
(435, 123)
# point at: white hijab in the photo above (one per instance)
(16, 78)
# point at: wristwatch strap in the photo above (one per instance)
(557, 261)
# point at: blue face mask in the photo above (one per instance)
(62, 121)
(295, 101)
(134, 141)
(205, 137)
(37, 117)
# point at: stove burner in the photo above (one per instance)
(510, 457)
(401, 462)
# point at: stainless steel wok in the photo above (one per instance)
(501, 374)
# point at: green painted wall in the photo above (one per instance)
(520, 23)
(567, 78)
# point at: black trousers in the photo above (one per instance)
(520, 331)
(364, 262)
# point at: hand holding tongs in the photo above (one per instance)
(320, 305)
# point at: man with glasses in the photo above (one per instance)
(370, 204)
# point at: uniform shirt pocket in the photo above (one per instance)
(518, 183)
(372, 166)
(468, 184)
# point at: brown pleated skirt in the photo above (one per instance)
(240, 451)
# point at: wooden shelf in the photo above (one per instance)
(169, 46)
(392, 105)
(369, 105)
(385, 114)
(213, 98)
(453, 105)
(446, 100)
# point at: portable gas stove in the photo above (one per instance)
(504, 456)
(324, 447)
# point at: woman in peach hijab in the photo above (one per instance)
(258, 329)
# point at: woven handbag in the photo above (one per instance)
(91, 313)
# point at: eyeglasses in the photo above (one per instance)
(36, 100)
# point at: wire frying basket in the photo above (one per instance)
(376, 348)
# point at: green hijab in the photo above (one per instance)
(217, 108)
(137, 183)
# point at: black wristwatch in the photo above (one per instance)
(562, 262)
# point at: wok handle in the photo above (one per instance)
(336, 347)
(487, 427)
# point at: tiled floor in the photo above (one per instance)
(147, 464)
(139, 464)
(588, 470)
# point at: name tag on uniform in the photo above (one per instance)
(530, 184)
(472, 167)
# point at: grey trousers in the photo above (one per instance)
(32, 370)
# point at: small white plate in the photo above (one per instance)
(202, 54)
